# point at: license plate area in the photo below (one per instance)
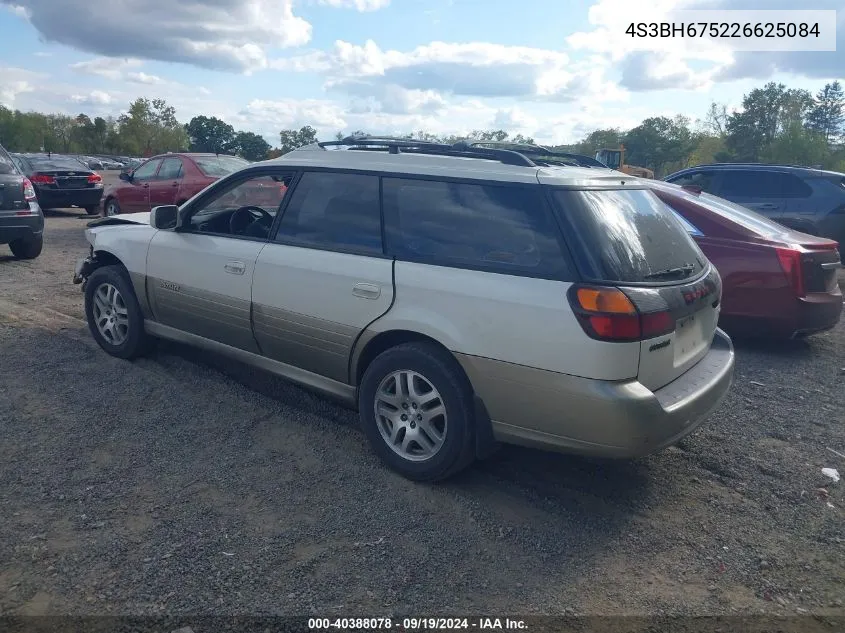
(689, 338)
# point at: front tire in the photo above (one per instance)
(27, 248)
(92, 210)
(114, 316)
(112, 207)
(416, 407)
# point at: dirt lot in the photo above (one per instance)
(185, 483)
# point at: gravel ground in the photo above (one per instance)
(185, 483)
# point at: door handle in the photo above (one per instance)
(366, 291)
(235, 268)
(146, 185)
(175, 184)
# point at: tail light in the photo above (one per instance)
(790, 262)
(42, 179)
(607, 314)
(95, 178)
(28, 190)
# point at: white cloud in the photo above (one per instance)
(360, 5)
(17, 10)
(16, 82)
(43, 54)
(514, 120)
(95, 97)
(477, 69)
(227, 35)
(105, 67)
(144, 78)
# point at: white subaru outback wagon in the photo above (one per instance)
(458, 295)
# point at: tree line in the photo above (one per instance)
(775, 124)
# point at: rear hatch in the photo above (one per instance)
(11, 185)
(626, 239)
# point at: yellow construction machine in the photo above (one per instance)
(615, 159)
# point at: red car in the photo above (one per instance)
(776, 281)
(167, 179)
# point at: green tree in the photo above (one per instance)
(827, 115)
(251, 146)
(660, 141)
(797, 146)
(150, 127)
(100, 134)
(210, 134)
(61, 129)
(766, 113)
(292, 139)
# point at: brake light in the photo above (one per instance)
(790, 262)
(42, 179)
(28, 190)
(95, 178)
(608, 314)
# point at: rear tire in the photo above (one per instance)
(27, 248)
(425, 430)
(111, 207)
(114, 316)
(92, 210)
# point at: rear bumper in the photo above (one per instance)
(794, 317)
(817, 313)
(555, 411)
(62, 198)
(14, 227)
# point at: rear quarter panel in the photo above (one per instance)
(519, 320)
(753, 283)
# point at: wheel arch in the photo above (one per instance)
(370, 344)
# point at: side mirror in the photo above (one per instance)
(693, 189)
(164, 217)
(126, 176)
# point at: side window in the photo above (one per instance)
(793, 187)
(334, 210)
(245, 208)
(147, 171)
(689, 227)
(703, 179)
(759, 184)
(502, 228)
(171, 169)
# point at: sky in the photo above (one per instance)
(550, 69)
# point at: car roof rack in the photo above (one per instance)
(461, 149)
(539, 151)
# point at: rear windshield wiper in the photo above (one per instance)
(683, 271)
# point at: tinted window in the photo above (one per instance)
(219, 166)
(492, 227)
(171, 169)
(335, 211)
(762, 184)
(56, 163)
(702, 179)
(147, 170)
(626, 236)
(6, 165)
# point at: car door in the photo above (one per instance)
(165, 187)
(756, 189)
(199, 278)
(324, 276)
(135, 196)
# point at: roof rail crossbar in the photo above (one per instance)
(462, 149)
(539, 151)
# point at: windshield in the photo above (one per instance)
(627, 236)
(220, 165)
(56, 163)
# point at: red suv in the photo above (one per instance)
(167, 179)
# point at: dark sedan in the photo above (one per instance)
(776, 281)
(21, 220)
(62, 181)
